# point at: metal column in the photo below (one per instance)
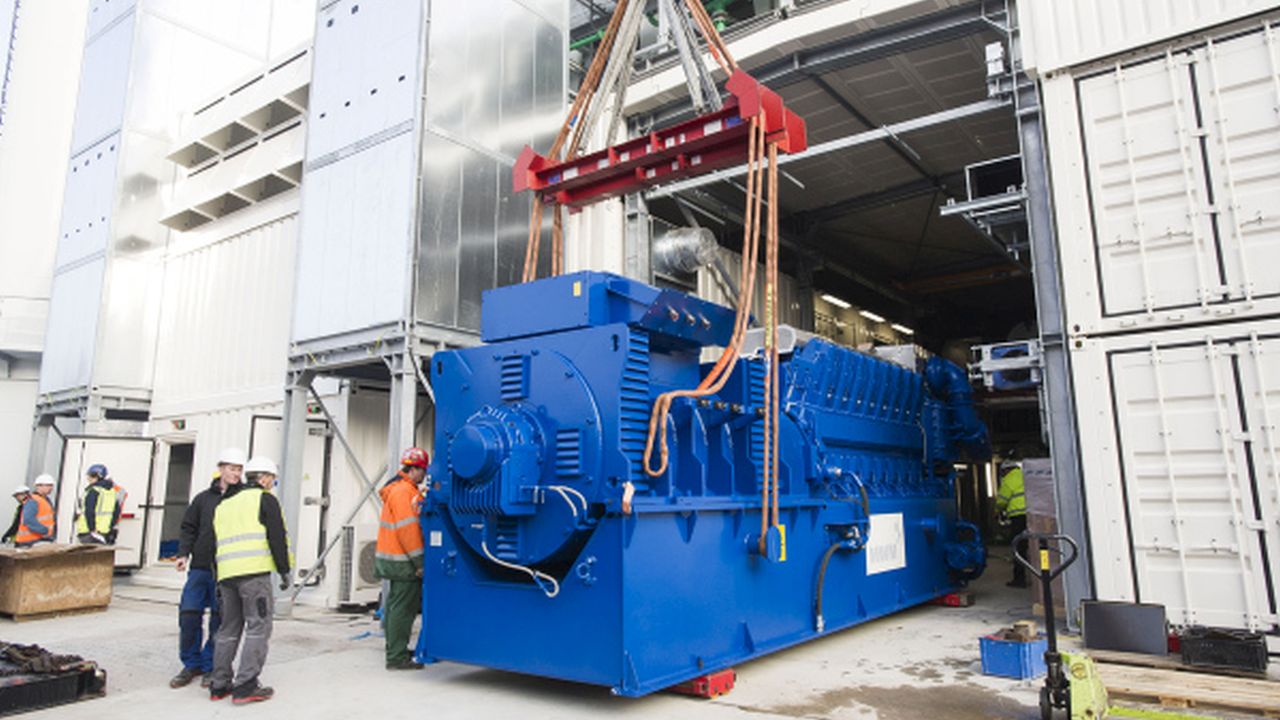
(638, 239)
(403, 407)
(1060, 403)
(294, 431)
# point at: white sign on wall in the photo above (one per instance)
(887, 547)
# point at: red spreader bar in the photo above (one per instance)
(694, 147)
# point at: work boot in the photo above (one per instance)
(206, 681)
(217, 693)
(250, 693)
(406, 664)
(185, 677)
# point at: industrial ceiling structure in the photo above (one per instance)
(897, 110)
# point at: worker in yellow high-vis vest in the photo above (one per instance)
(250, 543)
(1011, 502)
(100, 507)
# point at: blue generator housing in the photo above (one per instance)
(534, 566)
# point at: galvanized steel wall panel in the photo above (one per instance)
(104, 80)
(359, 189)
(74, 302)
(1178, 451)
(472, 227)
(102, 13)
(1060, 33)
(225, 320)
(1164, 173)
(357, 221)
(88, 199)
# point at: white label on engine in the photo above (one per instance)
(887, 547)
(437, 538)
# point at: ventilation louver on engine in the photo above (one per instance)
(515, 377)
(635, 405)
(568, 452)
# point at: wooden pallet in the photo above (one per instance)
(55, 614)
(1165, 662)
(1181, 689)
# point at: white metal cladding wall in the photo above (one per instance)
(1181, 461)
(358, 191)
(1165, 172)
(225, 319)
(1060, 33)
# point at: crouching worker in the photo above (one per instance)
(252, 543)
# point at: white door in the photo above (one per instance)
(266, 439)
(1201, 517)
(129, 463)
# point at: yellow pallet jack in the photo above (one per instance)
(1072, 686)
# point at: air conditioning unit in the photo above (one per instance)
(358, 583)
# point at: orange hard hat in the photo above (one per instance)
(414, 457)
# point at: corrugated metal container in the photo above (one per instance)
(1181, 460)
(226, 312)
(1060, 33)
(145, 63)
(407, 209)
(1165, 168)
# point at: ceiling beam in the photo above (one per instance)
(981, 107)
(875, 44)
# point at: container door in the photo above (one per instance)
(1259, 370)
(1149, 195)
(129, 463)
(266, 438)
(1238, 82)
(1190, 498)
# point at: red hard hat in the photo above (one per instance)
(414, 457)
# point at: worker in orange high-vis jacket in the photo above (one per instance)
(399, 556)
(37, 524)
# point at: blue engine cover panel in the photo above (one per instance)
(532, 564)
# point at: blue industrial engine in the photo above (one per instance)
(532, 563)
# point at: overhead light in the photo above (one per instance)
(870, 316)
(902, 329)
(836, 301)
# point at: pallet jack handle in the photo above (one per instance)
(1055, 693)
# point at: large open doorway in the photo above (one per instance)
(177, 493)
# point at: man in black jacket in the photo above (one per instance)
(201, 590)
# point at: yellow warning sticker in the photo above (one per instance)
(1044, 559)
(577, 288)
(782, 540)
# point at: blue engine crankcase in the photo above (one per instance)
(550, 551)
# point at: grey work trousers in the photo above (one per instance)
(247, 607)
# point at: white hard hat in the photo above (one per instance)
(261, 465)
(21, 490)
(45, 479)
(231, 456)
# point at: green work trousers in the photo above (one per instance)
(403, 601)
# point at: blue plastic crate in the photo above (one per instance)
(1011, 659)
(168, 548)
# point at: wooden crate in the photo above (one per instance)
(50, 578)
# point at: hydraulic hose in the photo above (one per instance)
(818, 623)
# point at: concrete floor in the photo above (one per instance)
(917, 664)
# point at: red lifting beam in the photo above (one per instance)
(688, 149)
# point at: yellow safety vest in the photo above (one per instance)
(242, 547)
(1012, 496)
(102, 512)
